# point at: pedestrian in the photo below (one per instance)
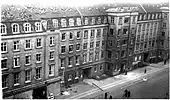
(105, 96)
(164, 61)
(125, 93)
(110, 97)
(128, 94)
(145, 71)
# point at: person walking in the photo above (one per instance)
(128, 94)
(125, 93)
(145, 71)
(105, 96)
(164, 61)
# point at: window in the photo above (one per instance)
(78, 34)
(4, 81)
(27, 27)
(92, 33)
(16, 45)
(91, 56)
(98, 33)
(16, 61)
(51, 56)
(160, 16)
(85, 34)
(69, 77)
(99, 20)
(63, 49)
(71, 22)
(97, 43)
(38, 57)
(148, 16)
(15, 28)
(117, 55)
(153, 16)
(104, 31)
(77, 75)
(93, 21)
(62, 62)
(131, 41)
(78, 21)
(70, 61)
(84, 57)
(164, 25)
(119, 32)
(63, 22)
(111, 31)
(38, 26)
(141, 46)
(91, 44)
(105, 20)
(3, 28)
(4, 47)
(77, 47)
(108, 66)
(51, 70)
(133, 31)
(118, 43)
(124, 42)
(143, 27)
(77, 59)
(55, 23)
(134, 19)
(27, 76)
(101, 67)
(71, 36)
(112, 19)
(38, 73)
(110, 42)
(39, 42)
(109, 54)
(95, 69)
(70, 48)
(27, 59)
(4, 63)
(139, 28)
(125, 31)
(16, 78)
(123, 53)
(86, 21)
(163, 33)
(63, 36)
(52, 40)
(27, 44)
(130, 51)
(137, 46)
(97, 56)
(126, 20)
(120, 20)
(165, 15)
(85, 46)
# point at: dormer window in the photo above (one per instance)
(99, 20)
(55, 23)
(93, 21)
(27, 27)
(37, 26)
(153, 16)
(71, 22)
(63, 22)
(78, 21)
(86, 21)
(105, 20)
(15, 28)
(3, 29)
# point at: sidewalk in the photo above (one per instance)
(86, 85)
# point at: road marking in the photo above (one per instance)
(113, 84)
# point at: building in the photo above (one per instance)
(29, 57)
(52, 48)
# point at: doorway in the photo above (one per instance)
(122, 68)
(145, 57)
(40, 93)
(86, 72)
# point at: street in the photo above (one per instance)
(156, 87)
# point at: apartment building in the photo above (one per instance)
(29, 61)
(52, 48)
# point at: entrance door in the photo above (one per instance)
(122, 68)
(145, 57)
(40, 93)
(86, 72)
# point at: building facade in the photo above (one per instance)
(63, 46)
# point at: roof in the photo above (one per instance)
(16, 13)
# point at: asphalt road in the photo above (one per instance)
(156, 86)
